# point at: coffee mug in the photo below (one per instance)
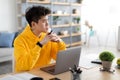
(36, 78)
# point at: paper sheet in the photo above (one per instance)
(20, 76)
(10, 77)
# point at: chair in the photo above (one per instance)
(13, 63)
(93, 33)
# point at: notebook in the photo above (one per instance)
(65, 59)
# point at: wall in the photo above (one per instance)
(7, 15)
(104, 16)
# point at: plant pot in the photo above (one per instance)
(79, 1)
(77, 30)
(56, 22)
(106, 65)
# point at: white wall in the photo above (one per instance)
(104, 16)
(7, 15)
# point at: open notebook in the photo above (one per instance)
(20, 76)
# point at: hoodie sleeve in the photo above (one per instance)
(56, 47)
(25, 58)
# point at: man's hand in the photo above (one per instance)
(54, 37)
(50, 37)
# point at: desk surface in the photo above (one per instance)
(90, 74)
(87, 74)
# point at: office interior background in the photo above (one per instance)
(102, 15)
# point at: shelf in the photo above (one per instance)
(65, 14)
(38, 2)
(75, 14)
(19, 2)
(22, 1)
(48, 2)
(63, 36)
(75, 4)
(76, 43)
(64, 25)
(55, 3)
(61, 3)
(76, 34)
(75, 24)
(67, 45)
(60, 14)
(67, 35)
(54, 15)
(20, 15)
(20, 28)
(67, 25)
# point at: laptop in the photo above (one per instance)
(65, 59)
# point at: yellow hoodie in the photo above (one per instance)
(28, 55)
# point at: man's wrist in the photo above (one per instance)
(39, 44)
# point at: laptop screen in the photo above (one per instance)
(67, 58)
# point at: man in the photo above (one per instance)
(35, 47)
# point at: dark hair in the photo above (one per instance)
(35, 13)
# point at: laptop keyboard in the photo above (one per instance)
(52, 70)
(49, 68)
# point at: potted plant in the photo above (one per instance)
(56, 20)
(77, 19)
(118, 63)
(79, 1)
(106, 57)
(77, 29)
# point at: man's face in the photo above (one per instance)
(42, 25)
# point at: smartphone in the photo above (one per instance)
(97, 61)
(55, 78)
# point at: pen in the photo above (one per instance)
(50, 32)
(75, 68)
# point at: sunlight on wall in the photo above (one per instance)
(104, 16)
(7, 15)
